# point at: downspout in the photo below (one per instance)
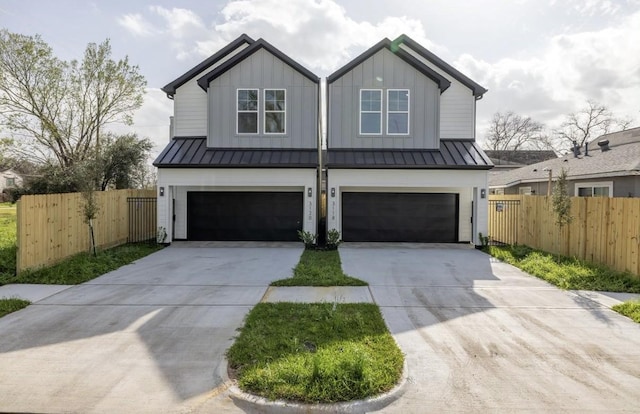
(319, 169)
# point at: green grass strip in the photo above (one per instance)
(319, 268)
(11, 305)
(630, 309)
(566, 272)
(84, 266)
(315, 353)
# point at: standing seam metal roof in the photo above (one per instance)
(452, 154)
(192, 152)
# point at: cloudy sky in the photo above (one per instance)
(539, 58)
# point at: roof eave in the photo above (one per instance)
(170, 88)
(204, 81)
(477, 89)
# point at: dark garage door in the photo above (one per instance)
(257, 216)
(400, 217)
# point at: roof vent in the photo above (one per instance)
(604, 145)
(575, 149)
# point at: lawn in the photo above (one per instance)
(566, 272)
(84, 266)
(7, 240)
(630, 309)
(571, 273)
(319, 352)
(11, 305)
(319, 268)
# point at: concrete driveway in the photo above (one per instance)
(147, 338)
(481, 336)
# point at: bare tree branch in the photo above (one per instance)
(588, 123)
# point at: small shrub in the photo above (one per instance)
(308, 238)
(333, 239)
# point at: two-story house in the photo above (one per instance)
(243, 158)
(402, 161)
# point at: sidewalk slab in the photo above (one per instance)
(608, 299)
(314, 294)
(32, 293)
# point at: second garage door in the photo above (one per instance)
(244, 216)
(400, 217)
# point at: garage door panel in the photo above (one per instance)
(400, 217)
(244, 216)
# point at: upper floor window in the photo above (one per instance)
(371, 111)
(398, 112)
(11, 182)
(247, 106)
(275, 112)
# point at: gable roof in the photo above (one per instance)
(253, 48)
(171, 87)
(478, 90)
(622, 159)
(385, 43)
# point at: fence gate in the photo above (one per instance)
(142, 219)
(504, 221)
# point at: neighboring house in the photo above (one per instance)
(609, 166)
(402, 160)
(9, 179)
(242, 163)
(507, 160)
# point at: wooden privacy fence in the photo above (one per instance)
(51, 227)
(603, 230)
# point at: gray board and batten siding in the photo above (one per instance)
(384, 70)
(259, 70)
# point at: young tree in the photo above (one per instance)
(561, 201)
(589, 123)
(511, 132)
(57, 110)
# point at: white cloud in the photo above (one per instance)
(317, 33)
(602, 65)
(137, 24)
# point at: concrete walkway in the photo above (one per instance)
(479, 335)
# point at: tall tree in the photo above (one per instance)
(57, 110)
(511, 132)
(593, 120)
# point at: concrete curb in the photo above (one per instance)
(262, 405)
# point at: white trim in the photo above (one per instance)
(592, 184)
(408, 112)
(369, 112)
(257, 111)
(264, 118)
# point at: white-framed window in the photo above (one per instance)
(398, 112)
(371, 112)
(10, 182)
(524, 190)
(275, 111)
(247, 111)
(594, 189)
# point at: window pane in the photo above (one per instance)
(274, 122)
(584, 192)
(248, 122)
(398, 123)
(399, 100)
(371, 100)
(601, 191)
(274, 100)
(247, 100)
(370, 123)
